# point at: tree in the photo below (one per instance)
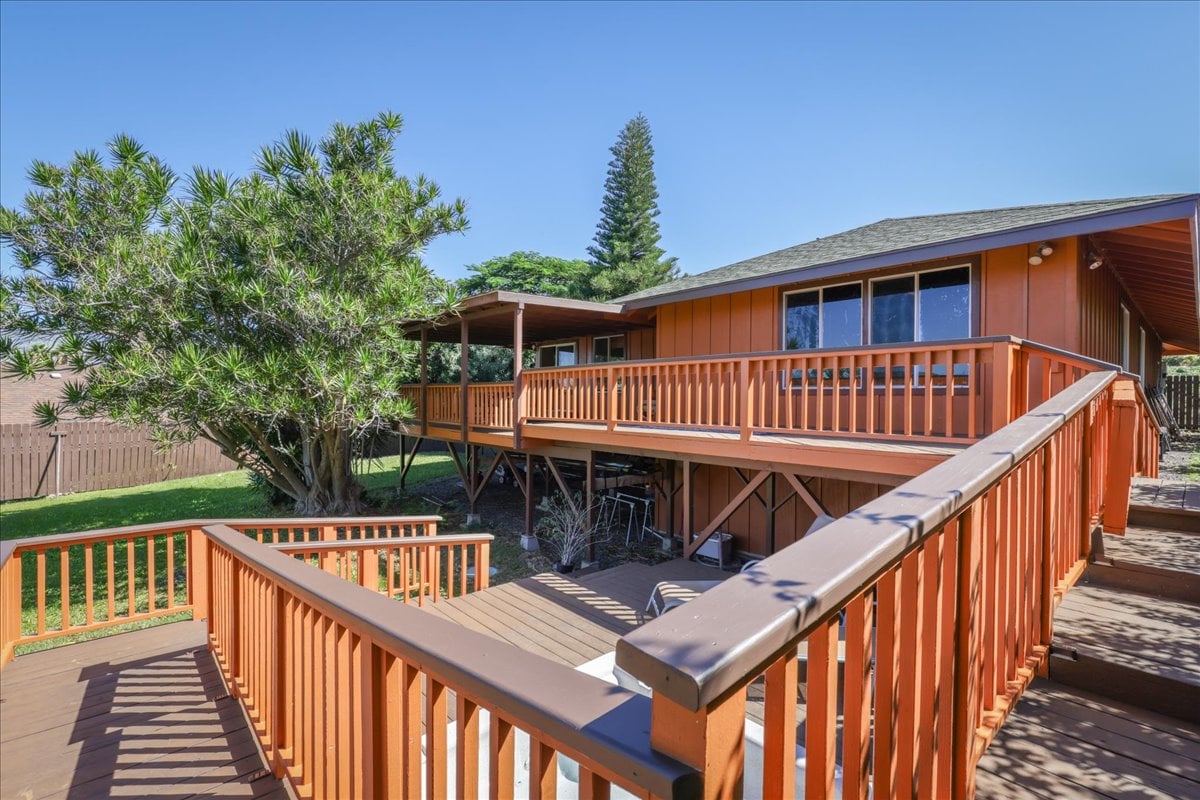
(626, 257)
(530, 272)
(262, 313)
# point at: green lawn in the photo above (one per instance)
(226, 495)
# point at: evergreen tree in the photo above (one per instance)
(626, 257)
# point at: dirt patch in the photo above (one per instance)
(502, 513)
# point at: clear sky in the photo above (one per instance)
(772, 123)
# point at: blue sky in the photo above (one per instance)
(772, 123)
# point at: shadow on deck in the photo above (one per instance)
(141, 714)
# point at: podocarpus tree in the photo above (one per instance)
(626, 257)
(263, 313)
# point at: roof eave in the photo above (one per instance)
(1184, 207)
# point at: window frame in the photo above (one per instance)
(820, 290)
(608, 338)
(556, 346)
(916, 320)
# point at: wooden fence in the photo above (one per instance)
(85, 456)
(1183, 396)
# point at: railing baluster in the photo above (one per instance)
(779, 727)
(64, 578)
(501, 751)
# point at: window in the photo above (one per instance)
(925, 307)
(829, 317)
(556, 355)
(608, 348)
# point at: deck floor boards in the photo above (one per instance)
(1166, 494)
(1062, 744)
(1158, 549)
(131, 715)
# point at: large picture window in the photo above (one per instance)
(924, 307)
(829, 317)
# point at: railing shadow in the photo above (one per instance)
(163, 727)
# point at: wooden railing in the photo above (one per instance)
(413, 569)
(490, 405)
(445, 404)
(61, 585)
(66, 584)
(908, 627)
(933, 602)
(957, 390)
(351, 694)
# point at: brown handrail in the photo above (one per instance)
(941, 593)
(744, 627)
(584, 718)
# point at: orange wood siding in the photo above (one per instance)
(742, 322)
(1100, 300)
(1038, 303)
(715, 486)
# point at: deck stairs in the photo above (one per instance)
(1119, 714)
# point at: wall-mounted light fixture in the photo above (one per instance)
(1095, 261)
(1041, 252)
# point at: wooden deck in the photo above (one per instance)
(1165, 494)
(565, 618)
(134, 715)
(1061, 744)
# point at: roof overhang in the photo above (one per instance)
(1161, 211)
(490, 319)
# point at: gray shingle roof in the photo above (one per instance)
(892, 235)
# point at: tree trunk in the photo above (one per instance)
(328, 497)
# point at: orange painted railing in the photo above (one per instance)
(140, 572)
(128, 575)
(490, 405)
(958, 390)
(413, 569)
(445, 404)
(353, 695)
(933, 603)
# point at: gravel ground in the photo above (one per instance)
(1182, 461)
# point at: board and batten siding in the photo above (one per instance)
(715, 486)
(742, 322)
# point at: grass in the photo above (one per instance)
(225, 495)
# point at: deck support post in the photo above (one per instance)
(406, 463)
(589, 497)
(464, 375)
(424, 410)
(688, 508)
(529, 494)
(771, 508)
(518, 375)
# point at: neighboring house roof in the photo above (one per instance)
(18, 397)
(896, 241)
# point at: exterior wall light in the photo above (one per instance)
(1041, 252)
(1095, 261)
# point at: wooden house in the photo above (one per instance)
(813, 379)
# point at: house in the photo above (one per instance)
(815, 378)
